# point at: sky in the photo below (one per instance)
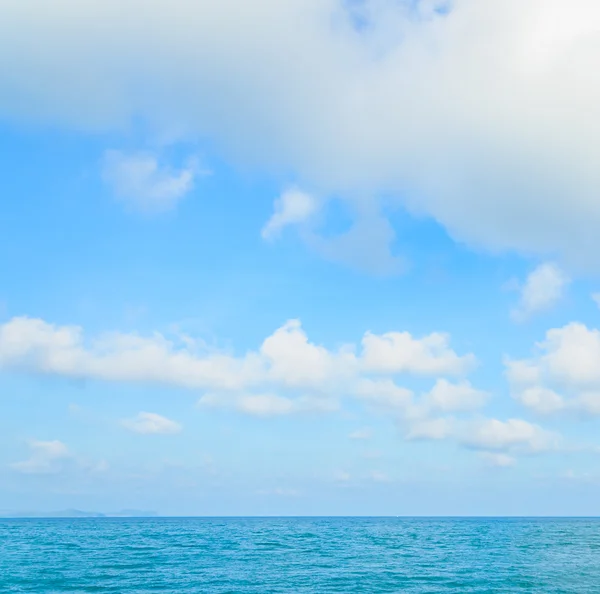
(312, 257)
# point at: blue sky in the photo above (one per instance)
(286, 264)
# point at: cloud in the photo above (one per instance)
(267, 405)
(542, 290)
(146, 185)
(147, 423)
(430, 429)
(498, 460)
(46, 457)
(291, 208)
(285, 360)
(399, 352)
(596, 298)
(563, 375)
(448, 397)
(513, 434)
(365, 246)
(480, 114)
(384, 396)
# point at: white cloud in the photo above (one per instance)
(384, 396)
(431, 429)
(448, 397)
(542, 290)
(483, 117)
(285, 360)
(151, 424)
(541, 400)
(267, 405)
(291, 208)
(564, 375)
(399, 352)
(144, 184)
(47, 457)
(514, 434)
(596, 298)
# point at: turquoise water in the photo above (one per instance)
(300, 555)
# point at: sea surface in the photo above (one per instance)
(264, 555)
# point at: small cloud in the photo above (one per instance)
(542, 290)
(361, 434)
(147, 423)
(144, 184)
(461, 397)
(265, 405)
(430, 429)
(541, 400)
(46, 457)
(291, 208)
(497, 436)
(596, 298)
(498, 460)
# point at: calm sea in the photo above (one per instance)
(300, 555)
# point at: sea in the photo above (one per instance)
(296, 555)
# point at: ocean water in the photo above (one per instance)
(264, 555)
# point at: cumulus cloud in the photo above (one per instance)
(510, 435)
(291, 208)
(384, 395)
(285, 360)
(46, 457)
(399, 352)
(448, 397)
(151, 424)
(146, 185)
(490, 436)
(564, 374)
(481, 114)
(542, 290)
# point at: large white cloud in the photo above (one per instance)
(286, 359)
(484, 116)
(564, 373)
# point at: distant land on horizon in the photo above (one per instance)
(76, 513)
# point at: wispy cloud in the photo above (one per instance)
(146, 184)
(542, 290)
(147, 423)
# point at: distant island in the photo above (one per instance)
(76, 513)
